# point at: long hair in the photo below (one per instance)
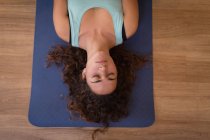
(92, 107)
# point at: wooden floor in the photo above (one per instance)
(181, 30)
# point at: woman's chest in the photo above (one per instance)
(96, 18)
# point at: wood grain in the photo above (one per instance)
(181, 44)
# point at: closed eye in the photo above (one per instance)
(109, 75)
(109, 78)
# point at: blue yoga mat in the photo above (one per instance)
(48, 92)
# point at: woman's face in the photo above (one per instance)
(101, 73)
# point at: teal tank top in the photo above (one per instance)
(76, 9)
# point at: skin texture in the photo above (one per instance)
(101, 73)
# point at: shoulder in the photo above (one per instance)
(131, 16)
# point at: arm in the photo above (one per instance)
(131, 16)
(61, 19)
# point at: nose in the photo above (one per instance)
(102, 67)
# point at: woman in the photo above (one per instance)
(100, 72)
(96, 34)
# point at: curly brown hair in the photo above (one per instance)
(90, 106)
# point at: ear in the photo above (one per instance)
(84, 73)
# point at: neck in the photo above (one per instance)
(96, 41)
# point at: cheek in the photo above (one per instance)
(113, 67)
(90, 70)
